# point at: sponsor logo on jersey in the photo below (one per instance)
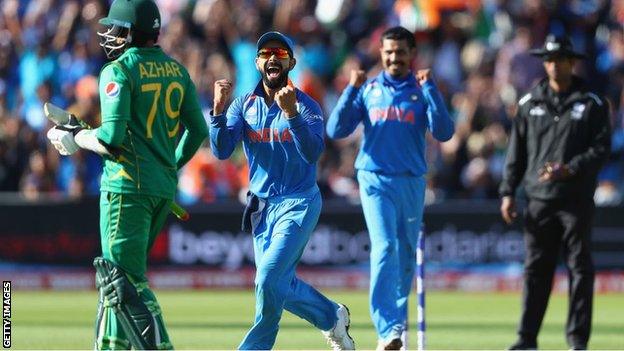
(537, 111)
(269, 135)
(112, 89)
(391, 113)
(577, 111)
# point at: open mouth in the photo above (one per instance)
(273, 71)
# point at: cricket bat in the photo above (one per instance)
(58, 116)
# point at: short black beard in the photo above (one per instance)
(398, 75)
(280, 82)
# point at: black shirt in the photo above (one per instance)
(571, 128)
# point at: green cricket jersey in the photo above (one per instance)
(153, 94)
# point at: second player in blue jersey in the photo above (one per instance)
(396, 108)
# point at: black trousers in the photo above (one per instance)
(551, 226)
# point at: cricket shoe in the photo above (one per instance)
(392, 341)
(338, 337)
(522, 344)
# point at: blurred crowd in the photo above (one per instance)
(477, 50)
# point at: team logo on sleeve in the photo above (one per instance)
(112, 90)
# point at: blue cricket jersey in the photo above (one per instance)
(282, 154)
(396, 114)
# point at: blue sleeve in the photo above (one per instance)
(440, 122)
(226, 132)
(349, 111)
(307, 131)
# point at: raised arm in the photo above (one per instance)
(440, 122)
(225, 131)
(305, 125)
(349, 110)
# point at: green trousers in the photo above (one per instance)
(129, 224)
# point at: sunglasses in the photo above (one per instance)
(280, 53)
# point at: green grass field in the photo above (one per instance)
(219, 319)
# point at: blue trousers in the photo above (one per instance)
(393, 209)
(281, 229)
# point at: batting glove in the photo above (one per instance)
(62, 137)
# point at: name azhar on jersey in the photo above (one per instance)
(151, 69)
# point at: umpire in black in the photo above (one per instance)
(559, 140)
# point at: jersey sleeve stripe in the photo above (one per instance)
(596, 98)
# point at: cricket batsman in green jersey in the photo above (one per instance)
(145, 97)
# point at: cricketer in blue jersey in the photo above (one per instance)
(282, 133)
(396, 109)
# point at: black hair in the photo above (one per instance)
(139, 38)
(399, 33)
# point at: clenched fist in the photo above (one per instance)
(222, 93)
(286, 99)
(358, 77)
(423, 75)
